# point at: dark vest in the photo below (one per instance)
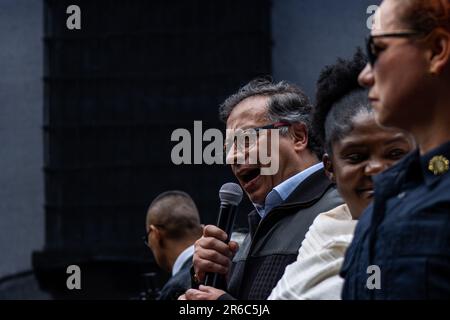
(273, 243)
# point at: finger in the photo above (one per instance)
(214, 256)
(189, 294)
(215, 232)
(193, 294)
(211, 293)
(206, 288)
(182, 297)
(234, 246)
(213, 244)
(202, 266)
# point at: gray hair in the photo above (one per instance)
(287, 103)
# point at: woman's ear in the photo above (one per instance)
(299, 134)
(328, 165)
(440, 51)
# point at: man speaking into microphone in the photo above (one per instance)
(286, 202)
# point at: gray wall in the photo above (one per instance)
(21, 147)
(309, 34)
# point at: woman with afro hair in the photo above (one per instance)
(357, 148)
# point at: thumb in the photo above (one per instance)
(204, 288)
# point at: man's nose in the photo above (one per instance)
(230, 154)
(233, 154)
(366, 78)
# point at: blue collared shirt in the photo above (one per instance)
(280, 193)
(182, 258)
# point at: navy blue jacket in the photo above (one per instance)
(405, 232)
(177, 284)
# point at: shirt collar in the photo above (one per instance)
(181, 259)
(282, 191)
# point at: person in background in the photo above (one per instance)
(357, 149)
(173, 225)
(401, 247)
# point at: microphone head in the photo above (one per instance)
(231, 193)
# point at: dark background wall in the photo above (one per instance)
(114, 92)
(21, 142)
(309, 34)
(88, 114)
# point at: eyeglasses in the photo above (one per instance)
(145, 238)
(372, 52)
(245, 139)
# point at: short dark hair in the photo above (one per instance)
(287, 102)
(339, 98)
(176, 213)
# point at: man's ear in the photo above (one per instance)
(440, 51)
(155, 231)
(158, 236)
(328, 166)
(299, 134)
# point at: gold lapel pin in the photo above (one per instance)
(438, 165)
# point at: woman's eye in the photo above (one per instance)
(378, 49)
(355, 157)
(396, 153)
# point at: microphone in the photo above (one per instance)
(230, 195)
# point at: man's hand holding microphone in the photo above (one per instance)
(214, 250)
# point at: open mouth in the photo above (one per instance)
(250, 175)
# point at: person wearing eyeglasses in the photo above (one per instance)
(401, 246)
(286, 202)
(357, 149)
(173, 225)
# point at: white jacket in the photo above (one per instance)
(315, 274)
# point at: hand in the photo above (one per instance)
(211, 253)
(204, 293)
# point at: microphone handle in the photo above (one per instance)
(225, 221)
